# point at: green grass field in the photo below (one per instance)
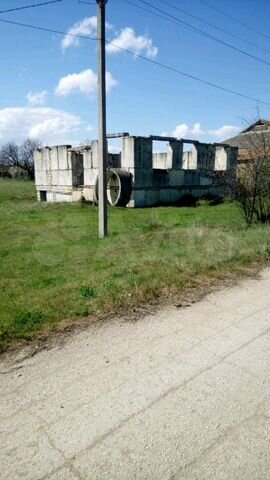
(54, 268)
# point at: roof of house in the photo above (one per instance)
(253, 136)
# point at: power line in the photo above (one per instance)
(130, 2)
(193, 77)
(249, 27)
(30, 6)
(191, 27)
(87, 3)
(198, 30)
(142, 57)
(214, 26)
(44, 29)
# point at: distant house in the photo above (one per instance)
(4, 171)
(252, 142)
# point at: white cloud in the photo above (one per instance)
(224, 132)
(110, 82)
(180, 131)
(184, 131)
(138, 44)
(38, 98)
(87, 26)
(197, 130)
(84, 82)
(127, 38)
(49, 125)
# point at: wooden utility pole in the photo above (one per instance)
(102, 141)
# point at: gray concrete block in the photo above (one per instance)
(192, 177)
(87, 159)
(90, 176)
(190, 159)
(139, 197)
(160, 161)
(95, 155)
(77, 195)
(62, 197)
(152, 197)
(41, 178)
(55, 177)
(38, 160)
(143, 177)
(175, 152)
(160, 178)
(128, 153)
(62, 151)
(176, 177)
(143, 153)
(220, 158)
(205, 179)
(50, 197)
(89, 194)
(169, 196)
(65, 178)
(47, 158)
(54, 158)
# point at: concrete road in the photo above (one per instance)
(181, 394)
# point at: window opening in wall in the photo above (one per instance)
(220, 158)
(114, 152)
(189, 156)
(43, 195)
(160, 155)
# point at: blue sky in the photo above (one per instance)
(48, 81)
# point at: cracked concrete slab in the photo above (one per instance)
(241, 453)
(179, 394)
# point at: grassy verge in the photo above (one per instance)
(53, 267)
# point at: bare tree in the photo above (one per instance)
(9, 154)
(253, 179)
(21, 156)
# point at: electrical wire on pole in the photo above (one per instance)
(142, 57)
(231, 17)
(213, 25)
(102, 141)
(42, 4)
(165, 15)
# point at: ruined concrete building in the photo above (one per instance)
(137, 177)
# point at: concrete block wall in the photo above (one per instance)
(175, 154)
(57, 171)
(137, 158)
(189, 159)
(221, 158)
(77, 168)
(160, 161)
(66, 174)
(205, 157)
(172, 159)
